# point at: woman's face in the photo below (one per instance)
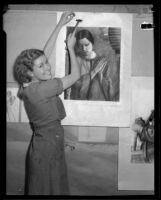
(86, 46)
(42, 69)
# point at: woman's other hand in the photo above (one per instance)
(66, 17)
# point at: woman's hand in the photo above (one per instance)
(66, 17)
(49, 46)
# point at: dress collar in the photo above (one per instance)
(27, 84)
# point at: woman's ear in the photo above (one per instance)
(30, 73)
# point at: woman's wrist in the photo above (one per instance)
(60, 24)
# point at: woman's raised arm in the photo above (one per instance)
(50, 44)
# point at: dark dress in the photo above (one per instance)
(46, 165)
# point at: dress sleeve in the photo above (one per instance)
(51, 87)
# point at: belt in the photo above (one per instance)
(35, 127)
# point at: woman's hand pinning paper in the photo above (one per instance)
(66, 17)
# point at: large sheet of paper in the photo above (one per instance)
(100, 113)
(135, 174)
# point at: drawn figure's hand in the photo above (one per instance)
(71, 40)
(100, 67)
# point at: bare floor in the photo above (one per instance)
(92, 168)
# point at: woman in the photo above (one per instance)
(99, 74)
(46, 166)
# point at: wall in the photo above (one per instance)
(18, 139)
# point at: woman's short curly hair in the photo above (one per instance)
(24, 63)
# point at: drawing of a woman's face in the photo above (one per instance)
(86, 46)
(85, 42)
